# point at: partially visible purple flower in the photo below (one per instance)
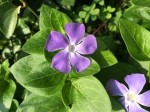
(72, 48)
(131, 97)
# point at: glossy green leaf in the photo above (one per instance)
(137, 13)
(7, 90)
(35, 74)
(145, 68)
(86, 94)
(96, 99)
(104, 58)
(141, 2)
(34, 103)
(91, 70)
(136, 39)
(14, 106)
(102, 55)
(8, 17)
(142, 66)
(52, 19)
(36, 44)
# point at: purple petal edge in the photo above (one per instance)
(79, 62)
(88, 45)
(56, 41)
(135, 107)
(135, 82)
(144, 98)
(116, 88)
(61, 62)
(75, 32)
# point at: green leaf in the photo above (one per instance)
(86, 94)
(86, 8)
(142, 66)
(52, 19)
(66, 2)
(102, 55)
(4, 70)
(136, 39)
(14, 106)
(141, 2)
(93, 18)
(34, 103)
(104, 58)
(22, 28)
(7, 90)
(110, 9)
(82, 14)
(107, 59)
(108, 15)
(35, 74)
(95, 12)
(91, 70)
(137, 13)
(100, 2)
(36, 44)
(8, 17)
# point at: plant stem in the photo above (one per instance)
(24, 4)
(33, 13)
(99, 27)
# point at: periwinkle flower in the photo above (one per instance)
(131, 97)
(72, 48)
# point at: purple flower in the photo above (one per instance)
(131, 98)
(72, 48)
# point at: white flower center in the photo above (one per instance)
(71, 48)
(131, 97)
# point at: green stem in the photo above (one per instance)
(33, 13)
(24, 4)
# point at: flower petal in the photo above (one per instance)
(144, 99)
(79, 62)
(135, 82)
(124, 103)
(56, 41)
(115, 88)
(88, 45)
(61, 62)
(135, 107)
(75, 32)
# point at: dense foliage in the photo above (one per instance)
(28, 82)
